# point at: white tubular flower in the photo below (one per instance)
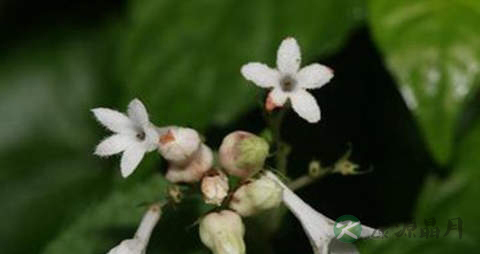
(223, 232)
(178, 144)
(138, 244)
(318, 227)
(289, 81)
(198, 165)
(256, 196)
(134, 135)
(214, 187)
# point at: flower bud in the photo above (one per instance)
(178, 144)
(243, 154)
(223, 232)
(345, 167)
(256, 196)
(200, 163)
(214, 187)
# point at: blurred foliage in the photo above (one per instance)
(445, 199)
(433, 49)
(182, 58)
(114, 218)
(47, 168)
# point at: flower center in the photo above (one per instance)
(287, 83)
(141, 135)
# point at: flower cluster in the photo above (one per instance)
(241, 156)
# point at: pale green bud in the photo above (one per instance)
(345, 167)
(222, 232)
(243, 154)
(256, 196)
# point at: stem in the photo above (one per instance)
(283, 150)
(307, 179)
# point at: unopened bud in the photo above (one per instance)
(315, 169)
(223, 232)
(214, 187)
(256, 196)
(345, 167)
(175, 193)
(243, 154)
(178, 144)
(200, 163)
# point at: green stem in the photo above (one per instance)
(307, 179)
(283, 150)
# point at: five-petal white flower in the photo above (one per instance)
(134, 135)
(289, 82)
(318, 227)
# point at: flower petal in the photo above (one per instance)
(151, 138)
(114, 144)
(318, 227)
(149, 220)
(278, 96)
(260, 74)
(337, 247)
(130, 159)
(305, 105)
(289, 56)
(137, 112)
(129, 246)
(314, 76)
(368, 232)
(114, 120)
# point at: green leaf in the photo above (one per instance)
(47, 135)
(433, 48)
(105, 224)
(445, 199)
(114, 219)
(183, 58)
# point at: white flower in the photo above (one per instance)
(289, 82)
(318, 227)
(223, 232)
(138, 244)
(134, 135)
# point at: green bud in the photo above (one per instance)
(253, 152)
(243, 154)
(345, 167)
(222, 232)
(256, 196)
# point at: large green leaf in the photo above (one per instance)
(106, 223)
(183, 58)
(445, 199)
(433, 48)
(47, 170)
